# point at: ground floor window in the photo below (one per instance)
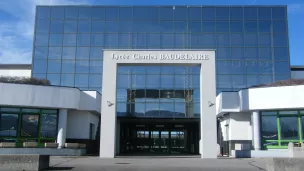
(23, 124)
(278, 128)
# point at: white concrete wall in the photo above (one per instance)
(224, 128)
(78, 126)
(239, 126)
(15, 72)
(297, 74)
(227, 102)
(90, 100)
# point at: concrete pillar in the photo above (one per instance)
(62, 125)
(256, 130)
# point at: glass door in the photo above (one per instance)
(177, 142)
(164, 141)
(154, 141)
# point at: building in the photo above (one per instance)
(297, 72)
(19, 70)
(160, 99)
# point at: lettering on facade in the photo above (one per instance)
(161, 57)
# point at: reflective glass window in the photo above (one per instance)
(166, 109)
(166, 26)
(208, 13)
(121, 95)
(165, 13)
(250, 13)
(98, 13)
(208, 26)
(111, 40)
(167, 81)
(264, 13)
(68, 52)
(84, 12)
(237, 53)
(39, 66)
(55, 52)
(195, 13)
(222, 26)
(71, 12)
(125, 26)
(83, 40)
(111, 26)
(29, 125)
(69, 40)
(43, 12)
(251, 39)
(138, 81)
(41, 39)
(238, 67)
(253, 67)
(180, 13)
(70, 26)
(84, 26)
(139, 40)
(279, 13)
(265, 40)
(265, 53)
(68, 66)
(152, 81)
(265, 26)
(237, 39)
(222, 13)
(48, 126)
(180, 26)
(8, 125)
(223, 67)
(269, 128)
(167, 40)
(266, 79)
(42, 26)
(111, 13)
(223, 81)
(40, 52)
(236, 26)
(125, 40)
(223, 53)
(40, 76)
(83, 53)
(95, 53)
(282, 67)
(209, 39)
(57, 13)
(236, 13)
(54, 66)
(125, 13)
(82, 66)
(266, 67)
(123, 81)
(98, 26)
(253, 80)
(281, 53)
(95, 66)
(153, 40)
(97, 39)
(81, 80)
(95, 80)
(250, 26)
(55, 40)
(251, 53)
(152, 110)
(281, 77)
(223, 39)
(145, 13)
(180, 40)
(280, 26)
(289, 128)
(239, 81)
(54, 79)
(121, 109)
(280, 40)
(179, 81)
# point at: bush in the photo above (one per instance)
(24, 80)
(290, 82)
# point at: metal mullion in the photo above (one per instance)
(19, 125)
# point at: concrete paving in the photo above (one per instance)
(178, 163)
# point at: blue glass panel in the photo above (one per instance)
(111, 13)
(125, 40)
(179, 81)
(139, 40)
(139, 70)
(195, 40)
(83, 53)
(125, 26)
(111, 40)
(153, 69)
(121, 95)
(265, 26)
(67, 80)
(54, 66)
(70, 26)
(251, 53)
(125, 13)
(84, 26)
(208, 26)
(166, 109)
(55, 40)
(223, 39)
(40, 52)
(40, 76)
(265, 40)
(57, 13)
(167, 81)
(222, 26)
(265, 53)
(238, 81)
(195, 81)
(98, 26)
(121, 109)
(166, 13)
(250, 13)
(237, 53)
(222, 13)
(83, 40)
(280, 26)
(266, 67)
(82, 66)
(42, 26)
(166, 26)
(251, 39)
(223, 81)
(236, 13)
(280, 40)
(152, 81)
(253, 80)
(167, 69)
(55, 52)
(236, 26)
(180, 109)
(123, 81)
(253, 67)
(180, 13)
(84, 12)
(95, 66)
(264, 13)
(98, 13)
(81, 80)
(54, 79)
(40, 66)
(71, 12)
(43, 12)
(152, 110)
(180, 26)
(279, 13)
(41, 39)
(266, 79)
(95, 80)
(167, 40)
(69, 40)
(97, 39)
(96, 53)
(124, 69)
(153, 40)
(145, 13)
(250, 26)
(237, 40)
(68, 66)
(281, 54)
(280, 77)
(208, 13)
(111, 26)
(195, 13)
(223, 53)
(223, 67)
(180, 40)
(138, 81)
(238, 67)
(68, 53)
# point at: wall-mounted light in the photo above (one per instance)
(110, 103)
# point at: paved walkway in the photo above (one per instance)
(178, 163)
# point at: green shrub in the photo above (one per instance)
(24, 80)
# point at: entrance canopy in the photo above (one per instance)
(114, 58)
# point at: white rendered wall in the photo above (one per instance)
(15, 72)
(239, 126)
(90, 101)
(78, 126)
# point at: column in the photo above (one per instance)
(256, 130)
(62, 125)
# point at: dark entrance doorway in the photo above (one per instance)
(159, 136)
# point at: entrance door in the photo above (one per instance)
(164, 141)
(178, 142)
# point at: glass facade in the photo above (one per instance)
(278, 128)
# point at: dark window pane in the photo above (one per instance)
(166, 26)
(238, 81)
(125, 13)
(111, 13)
(81, 80)
(29, 126)
(55, 52)
(222, 13)
(145, 13)
(95, 66)
(125, 26)
(82, 66)
(265, 53)
(265, 26)
(222, 26)
(54, 66)
(97, 39)
(8, 125)
(253, 80)
(40, 66)
(67, 80)
(251, 39)
(237, 40)
(111, 40)
(180, 26)
(55, 40)
(180, 13)
(223, 67)
(70, 26)
(265, 40)
(40, 52)
(68, 52)
(251, 26)
(41, 39)
(236, 26)
(224, 81)
(302, 121)
(289, 128)
(83, 53)
(98, 26)
(98, 13)
(48, 126)
(42, 26)
(223, 53)
(121, 109)
(279, 13)
(83, 40)
(153, 40)
(166, 13)
(208, 13)
(269, 128)
(68, 66)
(43, 12)
(253, 67)
(279, 26)
(281, 54)
(71, 12)
(194, 27)
(152, 109)
(84, 12)
(264, 13)
(209, 40)
(125, 40)
(84, 26)
(250, 13)
(69, 40)
(195, 13)
(237, 53)
(223, 39)
(252, 53)
(208, 26)
(282, 68)
(111, 26)
(236, 13)
(57, 13)
(95, 81)
(280, 40)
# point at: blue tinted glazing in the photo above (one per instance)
(57, 13)
(222, 13)
(43, 12)
(84, 12)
